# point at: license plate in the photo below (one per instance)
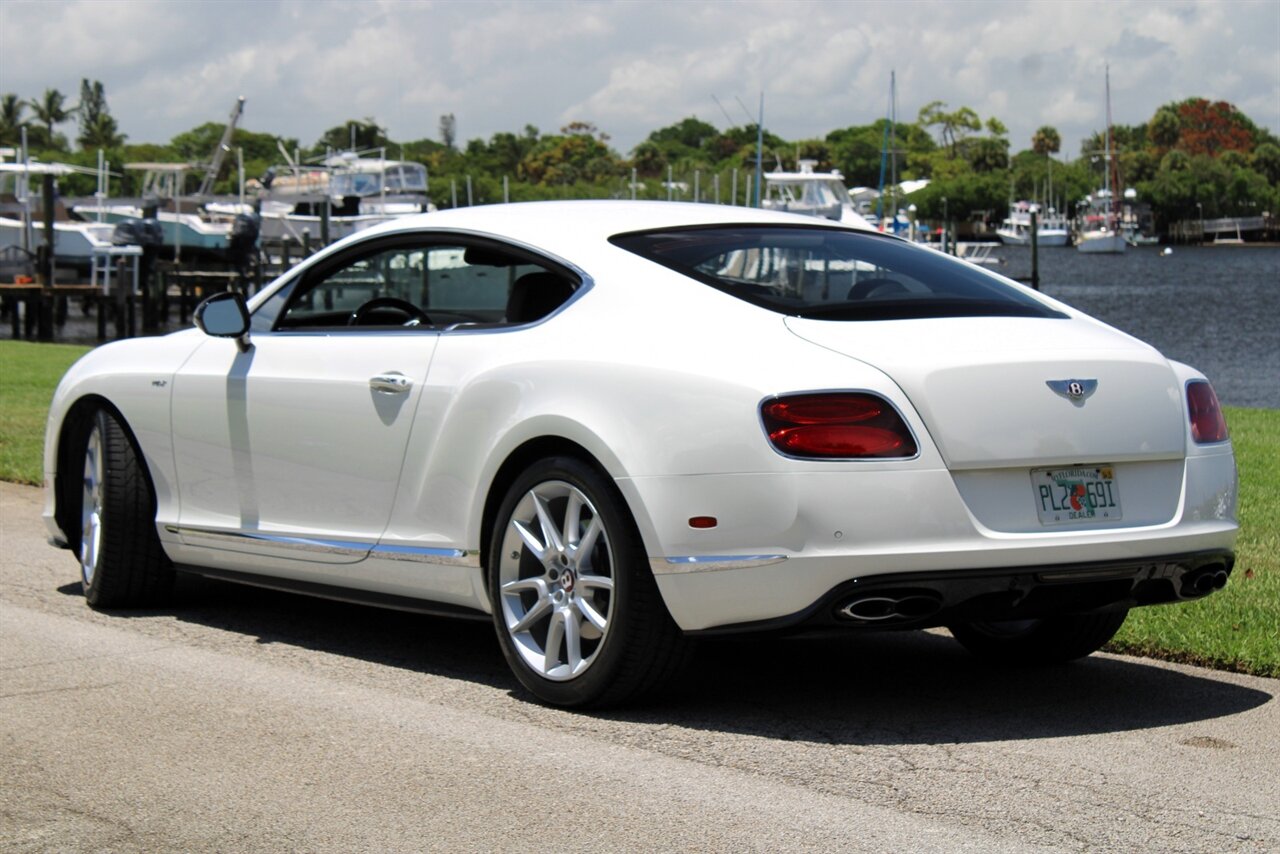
(1076, 494)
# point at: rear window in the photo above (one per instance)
(832, 274)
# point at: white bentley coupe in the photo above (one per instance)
(611, 427)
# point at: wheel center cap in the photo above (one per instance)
(567, 580)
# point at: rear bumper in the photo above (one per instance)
(921, 600)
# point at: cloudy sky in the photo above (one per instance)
(631, 67)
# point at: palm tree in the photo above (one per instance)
(11, 122)
(1046, 140)
(101, 133)
(51, 110)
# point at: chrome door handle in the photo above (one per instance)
(391, 383)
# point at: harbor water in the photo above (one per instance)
(1215, 308)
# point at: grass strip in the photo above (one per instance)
(29, 373)
(1236, 629)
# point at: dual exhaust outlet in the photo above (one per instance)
(886, 608)
(1203, 581)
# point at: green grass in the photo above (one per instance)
(1236, 629)
(28, 375)
(1239, 627)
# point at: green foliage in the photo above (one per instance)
(51, 110)
(97, 127)
(11, 120)
(351, 135)
(1046, 140)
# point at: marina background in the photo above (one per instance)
(1216, 308)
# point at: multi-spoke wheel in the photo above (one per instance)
(576, 609)
(121, 561)
(1047, 641)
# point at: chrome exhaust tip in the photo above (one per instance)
(890, 607)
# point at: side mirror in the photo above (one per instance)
(225, 315)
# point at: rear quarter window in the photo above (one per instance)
(833, 274)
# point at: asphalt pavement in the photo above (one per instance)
(246, 720)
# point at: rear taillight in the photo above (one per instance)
(1207, 423)
(836, 426)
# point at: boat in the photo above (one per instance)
(21, 226)
(356, 191)
(1099, 232)
(1051, 226)
(183, 219)
(821, 194)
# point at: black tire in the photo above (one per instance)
(1051, 640)
(629, 645)
(122, 563)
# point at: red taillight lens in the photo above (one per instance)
(836, 426)
(1207, 423)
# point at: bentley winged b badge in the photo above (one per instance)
(1076, 391)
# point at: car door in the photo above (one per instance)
(292, 450)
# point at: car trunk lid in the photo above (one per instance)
(982, 386)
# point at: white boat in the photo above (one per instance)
(183, 220)
(1101, 241)
(359, 192)
(1051, 226)
(22, 229)
(1099, 233)
(820, 194)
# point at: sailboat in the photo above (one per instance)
(1099, 234)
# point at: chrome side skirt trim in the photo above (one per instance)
(315, 545)
(419, 554)
(710, 563)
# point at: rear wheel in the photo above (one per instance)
(1046, 641)
(576, 608)
(121, 561)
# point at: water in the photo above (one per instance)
(1215, 308)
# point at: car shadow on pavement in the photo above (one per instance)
(924, 688)
(867, 688)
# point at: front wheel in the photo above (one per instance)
(578, 615)
(121, 561)
(1050, 640)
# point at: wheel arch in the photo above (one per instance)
(72, 435)
(519, 459)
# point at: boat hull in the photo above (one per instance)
(1101, 243)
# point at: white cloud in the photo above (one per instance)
(632, 67)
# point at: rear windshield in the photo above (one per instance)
(832, 274)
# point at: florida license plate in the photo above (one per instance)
(1076, 494)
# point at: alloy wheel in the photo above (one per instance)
(556, 580)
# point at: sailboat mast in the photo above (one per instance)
(884, 154)
(1106, 175)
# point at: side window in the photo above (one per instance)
(422, 283)
(381, 288)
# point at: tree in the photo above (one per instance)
(102, 133)
(51, 110)
(97, 128)
(1165, 128)
(11, 120)
(1266, 161)
(1212, 128)
(1046, 141)
(353, 135)
(953, 127)
(448, 130)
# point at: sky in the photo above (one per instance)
(632, 67)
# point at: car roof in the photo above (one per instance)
(562, 224)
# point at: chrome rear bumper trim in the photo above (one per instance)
(710, 563)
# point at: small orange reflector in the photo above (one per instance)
(703, 522)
